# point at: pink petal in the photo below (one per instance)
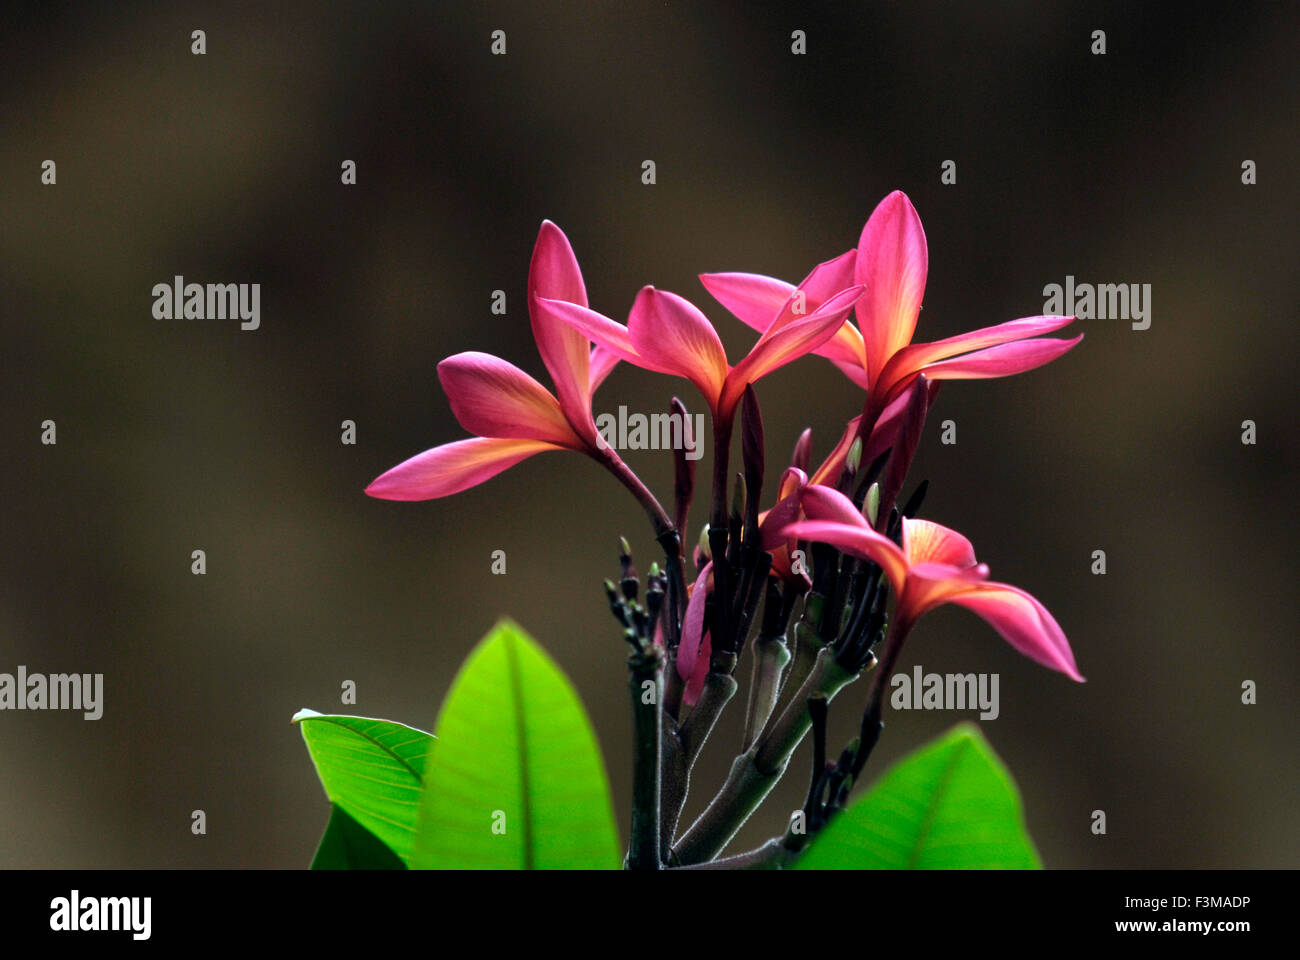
(772, 524)
(754, 299)
(1023, 622)
(494, 398)
(827, 503)
(829, 472)
(767, 304)
(1001, 361)
(603, 361)
(688, 650)
(794, 340)
(671, 334)
(554, 274)
(927, 542)
(829, 278)
(695, 682)
(892, 264)
(916, 356)
(606, 333)
(856, 540)
(452, 467)
(825, 281)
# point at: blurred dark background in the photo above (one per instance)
(185, 434)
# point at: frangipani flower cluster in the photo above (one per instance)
(831, 546)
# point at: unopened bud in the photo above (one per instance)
(873, 503)
(854, 458)
(738, 498)
(704, 549)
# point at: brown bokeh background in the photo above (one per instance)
(180, 435)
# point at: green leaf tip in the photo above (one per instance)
(949, 805)
(516, 780)
(373, 770)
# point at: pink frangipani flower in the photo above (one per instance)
(891, 263)
(934, 566)
(512, 415)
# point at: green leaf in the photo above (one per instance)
(373, 769)
(516, 779)
(950, 805)
(347, 845)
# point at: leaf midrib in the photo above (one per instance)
(419, 777)
(521, 732)
(936, 798)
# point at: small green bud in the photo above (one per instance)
(854, 459)
(873, 503)
(738, 497)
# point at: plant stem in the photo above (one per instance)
(682, 750)
(771, 656)
(757, 771)
(718, 690)
(646, 667)
(773, 855)
(674, 781)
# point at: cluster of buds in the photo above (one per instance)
(639, 620)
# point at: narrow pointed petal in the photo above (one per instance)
(825, 281)
(554, 275)
(608, 335)
(856, 540)
(772, 525)
(767, 304)
(453, 467)
(916, 356)
(927, 542)
(829, 278)
(671, 333)
(827, 503)
(829, 472)
(603, 361)
(494, 398)
(892, 264)
(1001, 361)
(792, 341)
(755, 300)
(802, 451)
(688, 651)
(1023, 622)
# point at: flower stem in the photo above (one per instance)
(773, 855)
(771, 656)
(757, 771)
(682, 748)
(646, 667)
